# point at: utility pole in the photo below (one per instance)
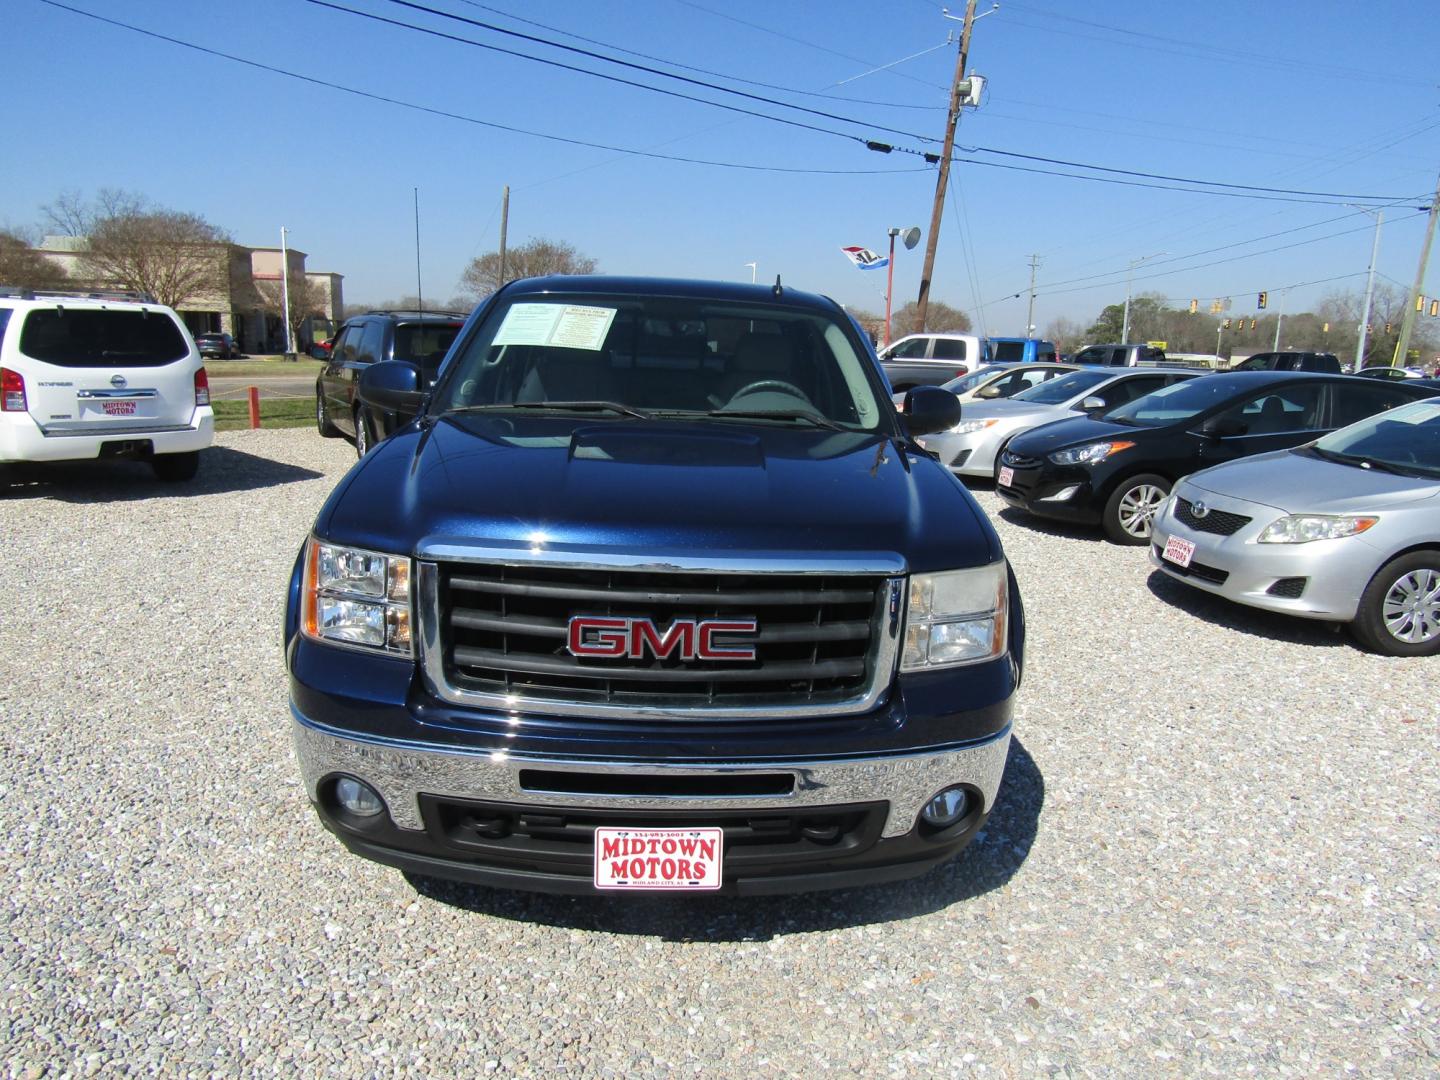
(1369, 293)
(285, 290)
(922, 302)
(419, 289)
(504, 224)
(1408, 323)
(1279, 318)
(1030, 315)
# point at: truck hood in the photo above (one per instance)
(1299, 483)
(698, 489)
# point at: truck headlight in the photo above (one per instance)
(356, 597)
(956, 617)
(1089, 454)
(1303, 528)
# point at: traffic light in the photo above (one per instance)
(1435, 307)
(1252, 324)
(1263, 298)
(1225, 325)
(1325, 329)
(1387, 327)
(1194, 306)
(1419, 303)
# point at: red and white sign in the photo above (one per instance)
(658, 858)
(1007, 476)
(690, 639)
(1179, 551)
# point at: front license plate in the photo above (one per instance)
(653, 859)
(1179, 551)
(1007, 475)
(119, 408)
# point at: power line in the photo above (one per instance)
(815, 112)
(700, 70)
(1215, 262)
(609, 60)
(446, 114)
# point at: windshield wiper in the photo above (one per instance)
(777, 414)
(561, 406)
(1361, 462)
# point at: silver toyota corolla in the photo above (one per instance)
(971, 446)
(1346, 528)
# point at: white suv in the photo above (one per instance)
(86, 376)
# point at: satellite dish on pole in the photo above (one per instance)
(910, 237)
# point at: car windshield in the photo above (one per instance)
(1173, 404)
(1404, 440)
(667, 356)
(1064, 388)
(975, 378)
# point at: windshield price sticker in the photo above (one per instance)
(653, 859)
(559, 326)
(1179, 551)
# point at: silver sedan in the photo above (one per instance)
(971, 446)
(1346, 528)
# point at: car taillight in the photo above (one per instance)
(12, 391)
(202, 388)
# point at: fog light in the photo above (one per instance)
(946, 808)
(1061, 495)
(357, 798)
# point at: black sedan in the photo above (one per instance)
(1117, 470)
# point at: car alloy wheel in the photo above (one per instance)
(1131, 509)
(1399, 612)
(1411, 607)
(362, 434)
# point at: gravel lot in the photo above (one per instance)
(1216, 850)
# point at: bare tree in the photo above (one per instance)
(306, 299)
(535, 259)
(21, 265)
(1066, 333)
(939, 319)
(131, 243)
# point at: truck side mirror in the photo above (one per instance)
(928, 409)
(392, 386)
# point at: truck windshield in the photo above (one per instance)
(665, 356)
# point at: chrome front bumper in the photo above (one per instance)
(402, 771)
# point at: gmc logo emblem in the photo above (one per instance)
(689, 639)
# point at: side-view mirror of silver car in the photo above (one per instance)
(1094, 403)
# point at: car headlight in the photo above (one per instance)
(956, 617)
(968, 427)
(356, 597)
(1089, 454)
(1303, 528)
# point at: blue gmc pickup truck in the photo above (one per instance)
(655, 592)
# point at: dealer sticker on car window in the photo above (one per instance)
(658, 858)
(560, 326)
(1179, 551)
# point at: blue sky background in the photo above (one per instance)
(1306, 94)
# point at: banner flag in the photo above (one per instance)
(865, 259)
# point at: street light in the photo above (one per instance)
(909, 237)
(1369, 285)
(1129, 275)
(752, 267)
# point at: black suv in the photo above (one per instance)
(421, 338)
(1323, 362)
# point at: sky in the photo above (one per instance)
(1335, 101)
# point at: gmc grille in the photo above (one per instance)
(504, 630)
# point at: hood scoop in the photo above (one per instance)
(665, 445)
